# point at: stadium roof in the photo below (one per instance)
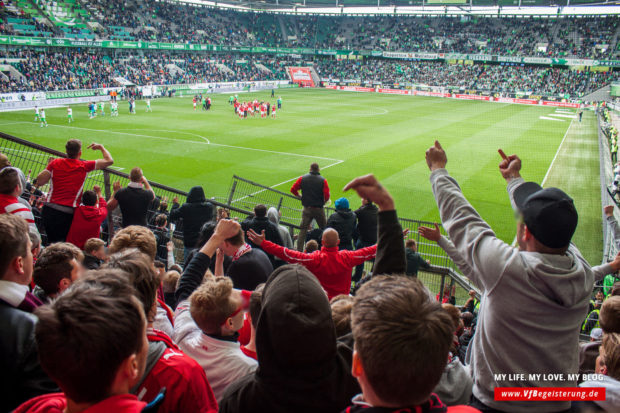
(500, 8)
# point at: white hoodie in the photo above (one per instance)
(612, 393)
(531, 308)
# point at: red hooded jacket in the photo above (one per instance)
(57, 402)
(187, 388)
(329, 265)
(87, 223)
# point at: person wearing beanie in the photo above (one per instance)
(344, 222)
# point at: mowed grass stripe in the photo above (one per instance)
(383, 134)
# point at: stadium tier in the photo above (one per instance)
(352, 206)
(558, 37)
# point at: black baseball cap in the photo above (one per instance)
(549, 214)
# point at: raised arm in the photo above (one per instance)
(113, 202)
(107, 158)
(285, 254)
(611, 221)
(445, 244)
(390, 247)
(473, 239)
(197, 267)
(43, 178)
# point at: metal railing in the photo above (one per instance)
(243, 196)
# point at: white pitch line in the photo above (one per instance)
(556, 154)
(281, 183)
(207, 142)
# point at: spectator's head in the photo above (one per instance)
(468, 319)
(216, 307)
(342, 204)
(135, 175)
(206, 231)
(15, 250)
(615, 289)
(74, 148)
(366, 201)
(609, 317)
(260, 211)
(608, 360)
(314, 167)
(412, 245)
(9, 182)
(599, 296)
(311, 246)
(89, 198)
(232, 244)
(171, 279)
(55, 270)
(4, 161)
(134, 236)
(455, 315)
(396, 324)
(139, 270)
(95, 247)
(35, 241)
(91, 325)
(330, 238)
(223, 213)
(160, 268)
(547, 219)
(341, 306)
(161, 220)
(256, 299)
(596, 334)
(77, 253)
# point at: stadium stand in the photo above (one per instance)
(208, 343)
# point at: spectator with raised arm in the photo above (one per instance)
(332, 267)
(545, 283)
(67, 177)
(209, 315)
(314, 193)
(134, 200)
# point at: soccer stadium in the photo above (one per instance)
(310, 206)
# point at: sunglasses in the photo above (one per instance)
(237, 311)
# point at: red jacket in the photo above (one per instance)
(87, 223)
(57, 402)
(187, 388)
(329, 265)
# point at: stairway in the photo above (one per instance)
(601, 94)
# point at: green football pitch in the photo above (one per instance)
(348, 134)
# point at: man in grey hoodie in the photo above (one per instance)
(274, 216)
(534, 297)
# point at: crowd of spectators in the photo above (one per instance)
(539, 80)
(68, 70)
(74, 69)
(587, 37)
(248, 324)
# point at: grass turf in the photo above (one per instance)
(348, 134)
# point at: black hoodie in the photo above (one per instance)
(301, 367)
(195, 212)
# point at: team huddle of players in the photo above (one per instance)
(245, 109)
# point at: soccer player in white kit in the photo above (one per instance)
(69, 115)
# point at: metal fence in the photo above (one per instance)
(243, 196)
(246, 194)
